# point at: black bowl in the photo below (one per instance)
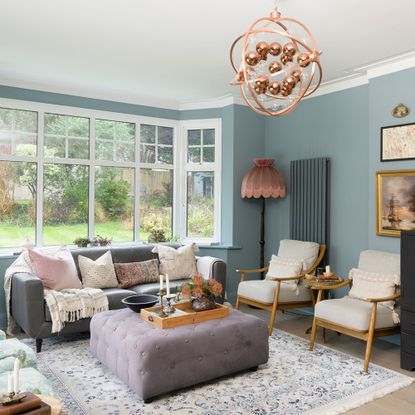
(139, 301)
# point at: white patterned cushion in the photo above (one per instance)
(372, 285)
(300, 250)
(263, 291)
(99, 273)
(177, 263)
(284, 267)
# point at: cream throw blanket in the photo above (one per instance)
(65, 306)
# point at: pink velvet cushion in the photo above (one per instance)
(57, 271)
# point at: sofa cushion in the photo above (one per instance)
(153, 288)
(263, 291)
(57, 271)
(134, 273)
(99, 273)
(303, 251)
(12, 348)
(177, 263)
(353, 313)
(114, 295)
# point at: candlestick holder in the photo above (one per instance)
(161, 294)
(12, 398)
(169, 309)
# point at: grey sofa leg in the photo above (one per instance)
(39, 345)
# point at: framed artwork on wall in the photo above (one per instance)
(397, 142)
(395, 202)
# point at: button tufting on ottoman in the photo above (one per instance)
(153, 361)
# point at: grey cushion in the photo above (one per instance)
(153, 361)
(264, 290)
(353, 313)
(153, 288)
(115, 295)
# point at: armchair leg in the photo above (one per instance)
(313, 334)
(237, 305)
(369, 344)
(274, 307)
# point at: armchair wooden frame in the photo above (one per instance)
(276, 305)
(366, 335)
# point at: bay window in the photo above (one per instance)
(68, 172)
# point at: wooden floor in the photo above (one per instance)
(384, 354)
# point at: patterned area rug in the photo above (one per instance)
(294, 381)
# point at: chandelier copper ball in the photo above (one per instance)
(289, 82)
(303, 60)
(252, 58)
(297, 75)
(274, 88)
(285, 91)
(274, 67)
(262, 49)
(275, 49)
(285, 59)
(289, 49)
(261, 83)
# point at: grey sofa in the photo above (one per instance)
(29, 309)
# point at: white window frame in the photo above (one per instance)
(179, 165)
(204, 124)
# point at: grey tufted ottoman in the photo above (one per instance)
(153, 361)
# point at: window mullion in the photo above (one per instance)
(39, 174)
(137, 184)
(91, 188)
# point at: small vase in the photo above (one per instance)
(203, 303)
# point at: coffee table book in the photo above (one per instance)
(184, 314)
(28, 403)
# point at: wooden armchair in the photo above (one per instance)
(271, 295)
(362, 319)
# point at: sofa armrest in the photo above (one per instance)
(211, 267)
(27, 302)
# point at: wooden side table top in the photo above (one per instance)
(323, 285)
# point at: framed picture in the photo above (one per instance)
(395, 206)
(397, 142)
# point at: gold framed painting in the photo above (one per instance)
(395, 202)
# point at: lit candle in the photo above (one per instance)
(16, 375)
(161, 282)
(10, 383)
(328, 270)
(167, 284)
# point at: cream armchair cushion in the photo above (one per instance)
(353, 313)
(373, 285)
(306, 252)
(380, 262)
(284, 267)
(263, 291)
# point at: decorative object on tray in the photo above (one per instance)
(140, 301)
(202, 293)
(401, 111)
(395, 202)
(397, 142)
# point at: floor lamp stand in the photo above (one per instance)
(262, 237)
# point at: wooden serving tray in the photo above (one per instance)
(183, 315)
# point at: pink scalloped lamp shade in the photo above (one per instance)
(263, 180)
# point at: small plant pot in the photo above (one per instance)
(203, 303)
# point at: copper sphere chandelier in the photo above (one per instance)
(278, 63)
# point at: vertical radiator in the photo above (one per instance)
(310, 200)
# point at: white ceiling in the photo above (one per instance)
(178, 50)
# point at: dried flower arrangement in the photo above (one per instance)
(199, 287)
